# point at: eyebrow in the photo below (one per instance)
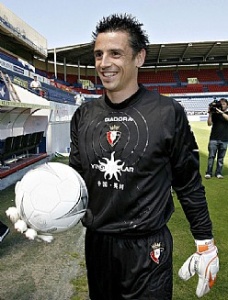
(110, 50)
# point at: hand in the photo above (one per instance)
(12, 214)
(32, 234)
(205, 263)
(20, 226)
(219, 111)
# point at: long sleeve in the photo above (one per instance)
(187, 180)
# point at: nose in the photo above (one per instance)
(105, 61)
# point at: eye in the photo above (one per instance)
(116, 54)
(98, 55)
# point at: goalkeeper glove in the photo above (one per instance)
(205, 263)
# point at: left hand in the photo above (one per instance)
(205, 263)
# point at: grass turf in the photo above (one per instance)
(216, 192)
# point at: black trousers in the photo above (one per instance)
(129, 268)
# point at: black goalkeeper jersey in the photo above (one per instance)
(130, 154)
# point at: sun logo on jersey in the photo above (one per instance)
(112, 168)
(113, 135)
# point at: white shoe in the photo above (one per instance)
(207, 176)
(219, 176)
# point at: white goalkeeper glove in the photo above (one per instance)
(32, 234)
(205, 263)
(13, 214)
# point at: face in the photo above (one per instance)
(224, 105)
(116, 65)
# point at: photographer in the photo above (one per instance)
(218, 119)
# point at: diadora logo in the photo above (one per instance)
(112, 168)
(119, 119)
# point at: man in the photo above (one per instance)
(218, 119)
(131, 145)
(35, 85)
(79, 98)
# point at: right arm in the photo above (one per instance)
(74, 158)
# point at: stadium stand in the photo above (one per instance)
(51, 92)
(158, 78)
(164, 81)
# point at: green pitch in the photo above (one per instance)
(217, 195)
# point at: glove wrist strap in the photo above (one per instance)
(204, 245)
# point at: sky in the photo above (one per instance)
(71, 22)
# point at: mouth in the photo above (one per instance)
(108, 75)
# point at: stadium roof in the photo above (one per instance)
(213, 52)
(18, 45)
(188, 53)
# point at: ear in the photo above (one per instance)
(140, 58)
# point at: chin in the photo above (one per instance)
(108, 86)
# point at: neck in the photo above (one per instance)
(120, 96)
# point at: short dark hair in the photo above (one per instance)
(124, 22)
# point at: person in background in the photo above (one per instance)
(35, 85)
(131, 146)
(79, 99)
(218, 119)
(4, 230)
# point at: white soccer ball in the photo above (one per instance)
(51, 198)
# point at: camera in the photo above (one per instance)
(213, 105)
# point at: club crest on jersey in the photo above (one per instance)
(157, 249)
(113, 135)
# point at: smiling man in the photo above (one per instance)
(131, 145)
(117, 65)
